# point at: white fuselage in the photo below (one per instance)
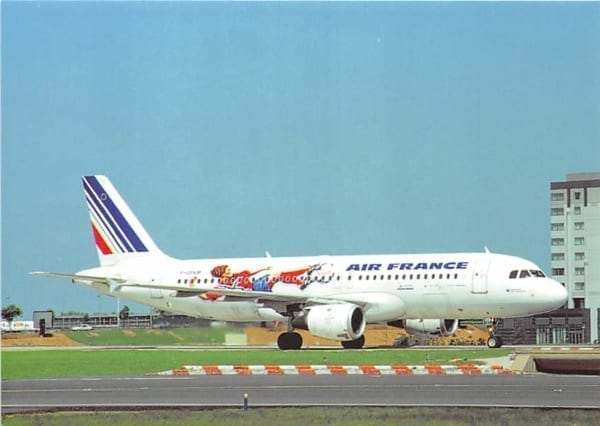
(388, 287)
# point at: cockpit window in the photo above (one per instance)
(524, 274)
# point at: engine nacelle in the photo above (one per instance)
(431, 327)
(338, 322)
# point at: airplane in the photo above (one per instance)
(334, 297)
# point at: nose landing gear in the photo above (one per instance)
(493, 341)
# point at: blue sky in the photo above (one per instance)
(298, 128)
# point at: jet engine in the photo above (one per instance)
(431, 327)
(338, 322)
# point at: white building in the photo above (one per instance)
(575, 242)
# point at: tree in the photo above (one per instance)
(124, 314)
(10, 312)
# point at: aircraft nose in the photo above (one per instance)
(556, 294)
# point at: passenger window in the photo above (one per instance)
(455, 276)
(179, 281)
(360, 277)
(441, 276)
(513, 274)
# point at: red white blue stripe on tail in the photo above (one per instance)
(115, 228)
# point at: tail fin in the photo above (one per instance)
(118, 234)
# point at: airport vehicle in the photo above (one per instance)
(17, 326)
(330, 296)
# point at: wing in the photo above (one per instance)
(286, 294)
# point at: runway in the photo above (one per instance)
(227, 391)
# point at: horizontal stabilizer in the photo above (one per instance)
(77, 277)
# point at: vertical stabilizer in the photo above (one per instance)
(118, 234)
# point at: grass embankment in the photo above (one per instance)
(151, 337)
(82, 363)
(437, 416)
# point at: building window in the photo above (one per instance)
(557, 227)
(577, 210)
(558, 241)
(558, 271)
(579, 271)
(579, 256)
(557, 211)
(577, 195)
(579, 241)
(579, 226)
(558, 196)
(579, 303)
(558, 256)
(579, 286)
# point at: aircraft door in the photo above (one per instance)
(480, 272)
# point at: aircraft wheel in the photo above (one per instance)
(354, 344)
(494, 342)
(287, 341)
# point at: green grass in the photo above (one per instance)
(82, 363)
(160, 337)
(347, 416)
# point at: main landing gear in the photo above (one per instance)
(289, 340)
(354, 344)
(493, 341)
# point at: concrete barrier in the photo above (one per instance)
(369, 370)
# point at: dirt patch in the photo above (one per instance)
(129, 333)
(57, 339)
(375, 335)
